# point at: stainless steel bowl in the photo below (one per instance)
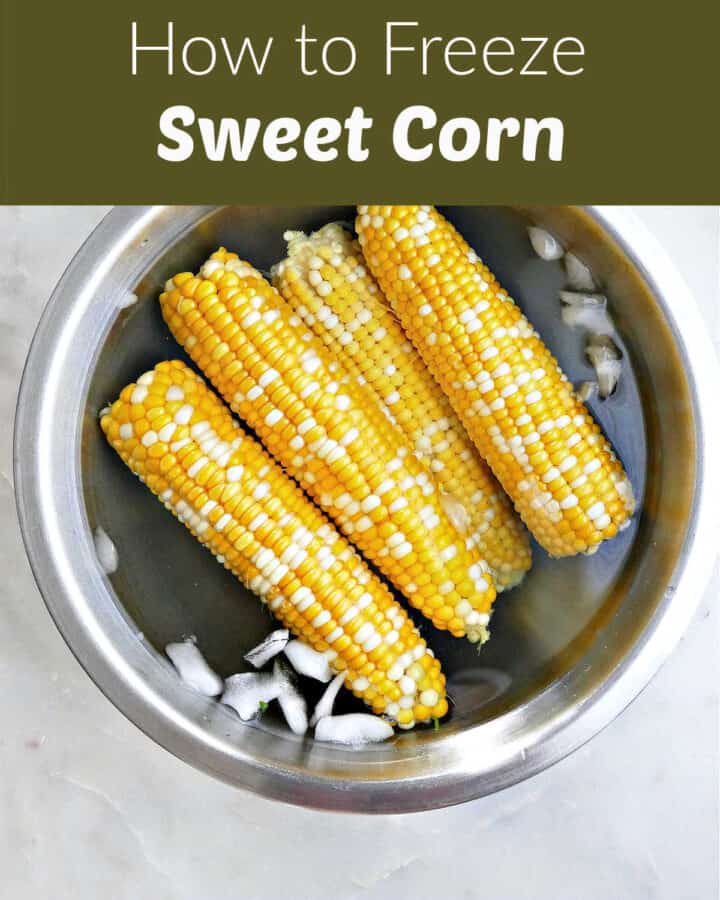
(571, 647)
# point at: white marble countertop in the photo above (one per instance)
(91, 807)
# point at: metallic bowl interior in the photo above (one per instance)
(570, 646)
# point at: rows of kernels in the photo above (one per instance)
(505, 385)
(325, 281)
(331, 435)
(182, 442)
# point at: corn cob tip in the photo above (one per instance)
(294, 240)
(333, 236)
(223, 259)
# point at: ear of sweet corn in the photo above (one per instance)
(181, 441)
(325, 281)
(331, 435)
(505, 385)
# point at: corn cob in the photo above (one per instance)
(182, 442)
(353, 321)
(331, 435)
(505, 385)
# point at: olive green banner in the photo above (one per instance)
(323, 102)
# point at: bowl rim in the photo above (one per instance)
(55, 554)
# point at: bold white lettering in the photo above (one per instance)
(355, 124)
(320, 132)
(427, 118)
(446, 139)
(495, 130)
(531, 134)
(228, 132)
(184, 142)
(283, 130)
